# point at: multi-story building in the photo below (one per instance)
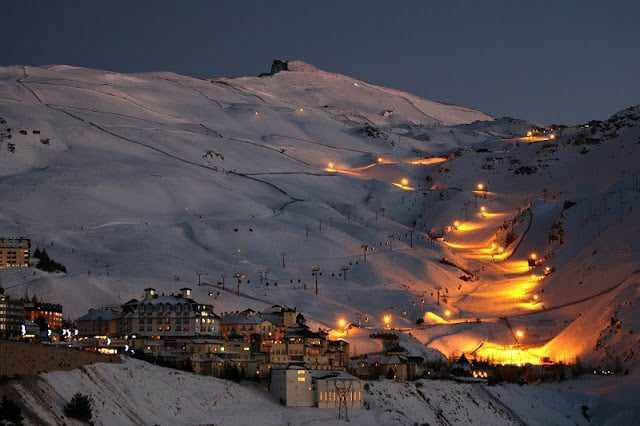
(14, 252)
(165, 317)
(100, 322)
(11, 316)
(42, 312)
(311, 348)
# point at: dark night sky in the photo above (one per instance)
(547, 61)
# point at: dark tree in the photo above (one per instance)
(10, 412)
(80, 407)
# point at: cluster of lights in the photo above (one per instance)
(480, 374)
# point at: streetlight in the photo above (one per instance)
(480, 187)
(447, 313)
(342, 323)
(404, 182)
(519, 334)
(238, 276)
(386, 319)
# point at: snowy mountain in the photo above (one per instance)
(150, 179)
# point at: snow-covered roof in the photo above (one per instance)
(99, 315)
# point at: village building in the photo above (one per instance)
(175, 315)
(296, 386)
(12, 316)
(331, 389)
(100, 322)
(292, 386)
(379, 365)
(15, 252)
(43, 313)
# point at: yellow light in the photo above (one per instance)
(386, 319)
(404, 181)
(380, 160)
(456, 223)
(519, 334)
(483, 209)
(493, 246)
(342, 323)
(330, 166)
(552, 136)
(529, 133)
(536, 297)
(480, 187)
(447, 313)
(533, 256)
(500, 249)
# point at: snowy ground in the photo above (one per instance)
(139, 393)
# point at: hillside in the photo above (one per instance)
(149, 179)
(122, 396)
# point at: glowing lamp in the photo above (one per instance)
(447, 313)
(342, 323)
(387, 320)
(404, 181)
(379, 159)
(519, 334)
(533, 256)
(480, 186)
(331, 165)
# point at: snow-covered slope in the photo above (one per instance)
(147, 180)
(139, 393)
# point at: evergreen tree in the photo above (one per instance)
(10, 412)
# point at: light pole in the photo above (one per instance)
(238, 276)
(315, 271)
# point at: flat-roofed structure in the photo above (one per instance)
(15, 252)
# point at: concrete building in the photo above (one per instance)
(295, 386)
(14, 252)
(292, 386)
(11, 316)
